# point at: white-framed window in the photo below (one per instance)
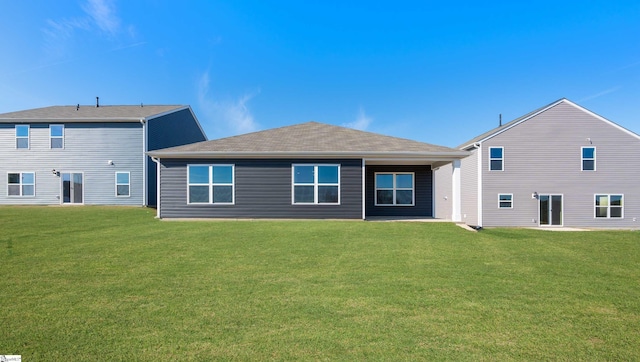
(21, 184)
(394, 188)
(315, 184)
(22, 136)
(211, 184)
(588, 158)
(496, 158)
(505, 201)
(56, 136)
(123, 184)
(610, 206)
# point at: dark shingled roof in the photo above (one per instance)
(308, 138)
(87, 113)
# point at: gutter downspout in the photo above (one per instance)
(157, 161)
(143, 122)
(480, 163)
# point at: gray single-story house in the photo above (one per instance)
(310, 170)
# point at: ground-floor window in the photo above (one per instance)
(315, 184)
(21, 184)
(394, 189)
(211, 184)
(123, 184)
(505, 201)
(609, 206)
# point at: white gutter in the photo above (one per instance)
(371, 156)
(480, 169)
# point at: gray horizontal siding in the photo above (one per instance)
(87, 149)
(262, 190)
(173, 129)
(423, 192)
(543, 155)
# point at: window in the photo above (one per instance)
(609, 206)
(588, 158)
(316, 184)
(123, 184)
(505, 201)
(21, 184)
(56, 136)
(394, 189)
(22, 136)
(211, 184)
(496, 158)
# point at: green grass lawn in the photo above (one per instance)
(94, 283)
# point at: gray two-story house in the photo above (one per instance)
(560, 165)
(88, 154)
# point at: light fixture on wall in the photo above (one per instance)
(589, 140)
(534, 195)
(109, 162)
(55, 172)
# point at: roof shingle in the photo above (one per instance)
(310, 137)
(87, 113)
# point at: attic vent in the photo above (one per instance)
(78, 107)
(500, 120)
(97, 102)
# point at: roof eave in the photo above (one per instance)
(451, 155)
(71, 120)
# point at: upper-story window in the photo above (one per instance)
(56, 136)
(588, 158)
(316, 184)
(22, 136)
(496, 158)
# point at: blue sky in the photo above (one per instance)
(437, 72)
